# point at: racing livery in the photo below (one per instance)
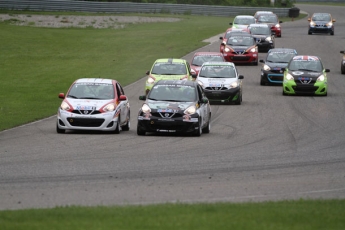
(167, 69)
(272, 69)
(175, 106)
(221, 82)
(200, 57)
(227, 34)
(305, 75)
(242, 21)
(94, 104)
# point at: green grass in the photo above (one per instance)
(289, 215)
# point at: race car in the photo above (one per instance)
(94, 104)
(273, 21)
(242, 21)
(167, 69)
(228, 33)
(241, 49)
(305, 75)
(200, 57)
(342, 65)
(258, 13)
(175, 106)
(221, 82)
(321, 23)
(272, 68)
(263, 36)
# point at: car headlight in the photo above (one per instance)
(269, 39)
(330, 24)
(312, 23)
(321, 78)
(65, 106)
(146, 109)
(201, 84)
(190, 110)
(253, 50)
(150, 80)
(277, 26)
(227, 49)
(267, 68)
(289, 77)
(234, 84)
(109, 107)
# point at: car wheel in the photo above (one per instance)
(58, 130)
(309, 32)
(198, 131)
(128, 124)
(256, 63)
(208, 126)
(342, 70)
(332, 33)
(262, 82)
(140, 132)
(284, 94)
(118, 128)
(239, 100)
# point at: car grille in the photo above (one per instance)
(240, 58)
(305, 88)
(216, 88)
(166, 115)
(167, 126)
(85, 122)
(86, 112)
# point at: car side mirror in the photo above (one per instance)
(194, 76)
(148, 72)
(280, 21)
(220, 38)
(230, 23)
(333, 20)
(327, 70)
(262, 61)
(204, 100)
(122, 98)
(342, 52)
(142, 98)
(240, 77)
(62, 95)
(309, 19)
(283, 69)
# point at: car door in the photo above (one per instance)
(122, 104)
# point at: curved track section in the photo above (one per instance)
(269, 148)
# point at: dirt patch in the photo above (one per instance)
(99, 22)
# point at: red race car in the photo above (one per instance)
(241, 48)
(200, 57)
(273, 21)
(228, 33)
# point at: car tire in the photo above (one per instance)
(342, 69)
(118, 128)
(208, 126)
(284, 94)
(239, 100)
(127, 126)
(58, 130)
(197, 132)
(140, 132)
(309, 33)
(256, 63)
(262, 82)
(332, 33)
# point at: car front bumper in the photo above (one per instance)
(291, 88)
(272, 77)
(251, 58)
(224, 96)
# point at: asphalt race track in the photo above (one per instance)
(269, 148)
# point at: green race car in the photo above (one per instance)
(167, 69)
(305, 75)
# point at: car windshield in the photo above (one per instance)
(169, 69)
(240, 41)
(232, 32)
(217, 71)
(260, 30)
(181, 93)
(244, 21)
(280, 57)
(305, 65)
(200, 59)
(91, 91)
(268, 18)
(321, 17)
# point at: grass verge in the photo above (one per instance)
(289, 215)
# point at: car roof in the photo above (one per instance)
(95, 80)
(259, 25)
(205, 53)
(176, 82)
(306, 58)
(218, 63)
(287, 50)
(170, 60)
(244, 16)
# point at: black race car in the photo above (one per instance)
(276, 59)
(263, 36)
(175, 106)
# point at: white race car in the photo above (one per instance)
(94, 104)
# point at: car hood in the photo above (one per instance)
(298, 75)
(259, 36)
(238, 26)
(87, 104)
(169, 77)
(169, 105)
(276, 65)
(321, 22)
(240, 48)
(216, 82)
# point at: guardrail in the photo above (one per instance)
(130, 7)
